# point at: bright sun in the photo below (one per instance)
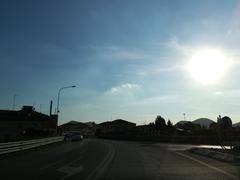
(207, 66)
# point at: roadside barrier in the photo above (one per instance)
(23, 145)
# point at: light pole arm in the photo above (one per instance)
(58, 98)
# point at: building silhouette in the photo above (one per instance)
(26, 123)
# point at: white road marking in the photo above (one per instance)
(99, 170)
(51, 164)
(69, 171)
(62, 160)
(208, 165)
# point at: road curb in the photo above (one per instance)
(215, 155)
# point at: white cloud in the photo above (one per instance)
(124, 88)
(170, 68)
(234, 24)
(231, 93)
(174, 44)
(123, 54)
(158, 99)
(119, 52)
(154, 58)
(218, 93)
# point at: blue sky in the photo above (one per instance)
(127, 58)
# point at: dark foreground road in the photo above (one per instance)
(113, 160)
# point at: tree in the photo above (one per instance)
(224, 127)
(160, 122)
(169, 123)
(225, 122)
(213, 125)
(151, 126)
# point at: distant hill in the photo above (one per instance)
(72, 122)
(181, 123)
(236, 124)
(86, 124)
(117, 121)
(203, 122)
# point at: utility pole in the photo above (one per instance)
(50, 111)
(14, 101)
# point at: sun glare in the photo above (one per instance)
(207, 66)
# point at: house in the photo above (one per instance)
(26, 122)
(117, 126)
(87, 129)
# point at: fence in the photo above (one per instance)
(23, 145)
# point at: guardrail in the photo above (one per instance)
(23, 145)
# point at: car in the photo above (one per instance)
(76, 136)
(73, 136)
(67, 136)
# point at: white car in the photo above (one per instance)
(73, 136)
(76, 136)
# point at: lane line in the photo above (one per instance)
(51, 164)
(70, 171)
(208, 165)
(102, 166)
(62, 160)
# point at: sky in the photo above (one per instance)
(128, 59)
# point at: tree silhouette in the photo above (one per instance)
(224, 130)
(213, 126)
(160, 122)
(169, 123)
(225, 122)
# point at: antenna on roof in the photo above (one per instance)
(184, 116)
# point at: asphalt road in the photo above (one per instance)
(113, 160)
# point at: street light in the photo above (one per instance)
(14, 101)
(59, 95)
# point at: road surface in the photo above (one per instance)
(113, 160)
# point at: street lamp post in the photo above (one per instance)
(14, 101)
(59, 95)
